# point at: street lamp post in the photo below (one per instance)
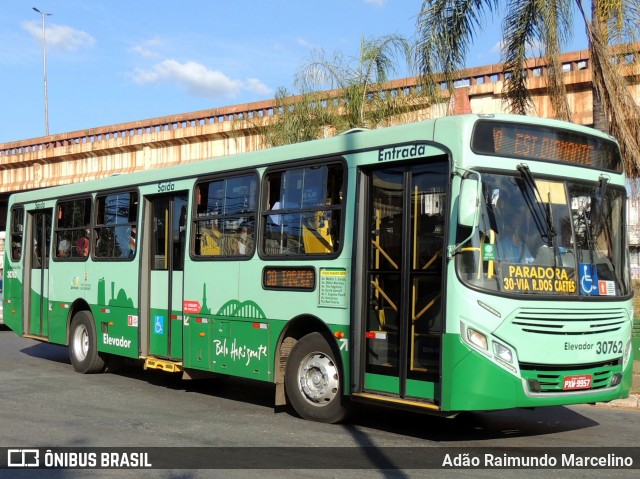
(44, 61)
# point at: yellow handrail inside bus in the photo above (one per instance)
(426, 308)
(433, 258)
(490, 266)
(491, 263)
(384, 295)
(379, 249)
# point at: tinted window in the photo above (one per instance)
(226, 216)
(116, 228)
(72, 229)
(17, 226)
(303, 211)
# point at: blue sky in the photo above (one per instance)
(127, 60)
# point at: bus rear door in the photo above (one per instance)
(37, 250)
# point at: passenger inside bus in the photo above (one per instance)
(16, 250)
(132, 241)
(276, 220)
(276, 237)
(82, 244)
(511, 244)
(64, 248)
(242, 242)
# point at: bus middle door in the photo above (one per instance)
(167, 241)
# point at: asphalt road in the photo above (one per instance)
(45, 404)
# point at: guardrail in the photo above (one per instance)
(472, 77)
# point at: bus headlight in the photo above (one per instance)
(477, 339)
(627, 355)
(502, 352)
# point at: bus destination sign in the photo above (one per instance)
(522, 278)
(303, 279)
(515, 140)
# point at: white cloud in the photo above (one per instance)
(376, 3)
(59, 37)
(198, 80)
(147, 49)
(256, 86)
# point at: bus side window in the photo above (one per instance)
(116, 226)
(310, 199)
(72, 229)
(17, 223)
(225, 215)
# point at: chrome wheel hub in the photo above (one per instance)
(318, 379)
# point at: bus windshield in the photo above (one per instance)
(547, 237)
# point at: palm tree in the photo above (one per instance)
(297, 118)
(447, 27)
(339, 93)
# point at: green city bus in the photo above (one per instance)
(466, 263)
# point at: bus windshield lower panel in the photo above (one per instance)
(542, 237)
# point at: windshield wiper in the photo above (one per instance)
(596, 212)
(600, 195)
(582, 218)
(540, 209)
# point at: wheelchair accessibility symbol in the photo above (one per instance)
(588, 279)
(158, 324)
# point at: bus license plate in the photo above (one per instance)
(577, 382)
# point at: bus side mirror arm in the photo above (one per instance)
(468, 208)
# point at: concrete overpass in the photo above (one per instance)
(158, 142)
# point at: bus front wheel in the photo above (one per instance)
(83, 349)
(313, 381)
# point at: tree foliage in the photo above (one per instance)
(298, 118)
(446, 29)
(338, 93)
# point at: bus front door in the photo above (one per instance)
(38, 260)
(401, 253)
(166, 233)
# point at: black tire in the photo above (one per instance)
(314, 382)
(83, 349)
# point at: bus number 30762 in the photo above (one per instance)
(609, 347)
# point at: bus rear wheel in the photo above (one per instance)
(313, 381)
(83, 348)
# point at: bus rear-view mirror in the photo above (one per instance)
(468, 203)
